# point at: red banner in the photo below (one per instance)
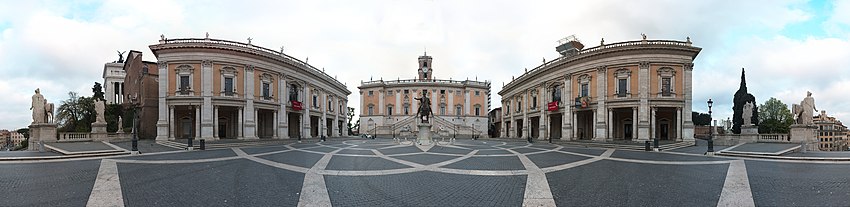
(296, 106)
(553, 106)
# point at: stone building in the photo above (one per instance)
(113, 82)
(831, 133)
(10, 138)
(216, 89)
(494, 120)
(459, 107)
(631, 90)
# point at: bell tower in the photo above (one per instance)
(425, 68)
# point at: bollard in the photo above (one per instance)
(135, 145)
(203, 144)
(655, 143)
(646, 145)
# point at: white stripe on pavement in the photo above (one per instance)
(736, 189)
(107, 187)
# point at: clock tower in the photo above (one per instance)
(425, 68)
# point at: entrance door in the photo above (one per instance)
(555, 126)
(627, 131)
(186, 125)
(222, 129)
(664, 132)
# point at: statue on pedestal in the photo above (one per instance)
(99, 107)
(748, 114)
(37, 107)
(424, 111)
(804, 112)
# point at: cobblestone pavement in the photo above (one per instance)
(382, 172)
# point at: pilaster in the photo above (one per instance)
(161, 122)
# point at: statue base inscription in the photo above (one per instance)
(45, 132)
(424, 136)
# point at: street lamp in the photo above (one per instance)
(710, 131)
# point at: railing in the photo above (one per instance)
(74, 136)
(207, 41)
(784, 138)
(604, 47)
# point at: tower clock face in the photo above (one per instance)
(425, 69)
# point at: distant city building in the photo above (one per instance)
(11, 138)
(494, 118)
(217, 89)
(832, 133)
(633, 90)
(113, 82)
(459, 107)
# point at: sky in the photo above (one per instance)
(788, 47)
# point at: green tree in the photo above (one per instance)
(75, 114)
(113, 111)
(700, 119)
(355, 125)
(742, 97)
(25, 143)
(775, 117)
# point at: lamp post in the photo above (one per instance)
(710, 131)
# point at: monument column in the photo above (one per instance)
(161, 123)
(643, 110)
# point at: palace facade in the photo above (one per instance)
(216, 89)
(633, 90)
(459, 108)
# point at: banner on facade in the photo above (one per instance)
(553, 106)
(296, 106)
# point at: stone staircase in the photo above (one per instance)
(227, 144)
(624, 145)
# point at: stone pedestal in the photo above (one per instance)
(98, 132)
(805, 134)
(42, 132)
(424, 136)
(751, 129)
(749, 134)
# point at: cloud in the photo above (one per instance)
(62, 45)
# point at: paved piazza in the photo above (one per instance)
(360, 172)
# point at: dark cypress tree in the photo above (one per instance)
(741, 98)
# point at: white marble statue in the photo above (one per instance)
(37, 107)
(748, 114)
(99, 108)
(805, 110)
(120, 125)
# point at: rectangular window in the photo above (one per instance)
(457, 110)
(315, 101)
(406, 110)
(390, 93)
(534, 102)
(184, 84)
(623, 86)
(477, 111)
(406, 91)
(442, 91)
(442, 110)
(370, 93)
(584, 90)
(266, 90)
(389, 110)
(477, 93)
(228, 86)
(665, 86)
(370, 110)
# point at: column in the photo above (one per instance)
(610, 125)
(239, 126)
(399, 109)
(274, 125)
(170, 123)
(567, 99)
(207, 125)
(215, 123)
(643, 92)
(281, 126)
(466, 101)
(544, 121)
(526, 125)
(249, 119)
(161, 123)
(324, 121)
(601, 93)
(593, 125)
(575, 129)
(305, 116)
(688, 128)
(679, 124)
(257, 123)
(381, 104)
(634, 123)
(652, 122)
(197, 121)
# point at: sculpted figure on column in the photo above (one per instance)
(37, 107)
